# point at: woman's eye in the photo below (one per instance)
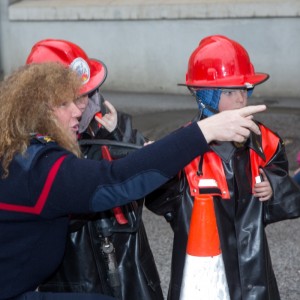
(64, 104)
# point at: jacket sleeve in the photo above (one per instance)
(83, 185)
(124, 132)
(163, 200)
(285, 203)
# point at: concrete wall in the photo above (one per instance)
(146, 44)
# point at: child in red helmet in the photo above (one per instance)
(248, 177)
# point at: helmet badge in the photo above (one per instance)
(249, 85)
(81, 67)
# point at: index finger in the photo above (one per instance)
(252, 109)
(110, 107)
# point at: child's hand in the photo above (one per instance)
(110, 119)
(263, 190)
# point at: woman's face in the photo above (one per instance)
(67, 115)
(232, 99)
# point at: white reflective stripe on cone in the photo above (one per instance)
(204, 279)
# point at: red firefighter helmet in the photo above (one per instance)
(219, 62)
(93, 72)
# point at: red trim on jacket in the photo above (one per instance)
(213, 180)
(37, 208)
(269, 146)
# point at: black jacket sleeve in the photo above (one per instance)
(285, 203)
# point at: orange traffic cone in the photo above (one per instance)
(204, 274)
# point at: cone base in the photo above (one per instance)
(204, 278)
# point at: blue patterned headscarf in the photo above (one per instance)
(208, 100)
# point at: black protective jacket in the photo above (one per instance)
(102, 255)
(241, 217)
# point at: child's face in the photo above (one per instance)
(232, 99)
(82, 103)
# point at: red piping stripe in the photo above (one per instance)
(37, 208)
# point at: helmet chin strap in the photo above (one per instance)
(201, 105)
(205, 106)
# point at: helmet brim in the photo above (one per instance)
(98, 74)
(230, 83)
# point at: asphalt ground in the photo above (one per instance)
(156, 115)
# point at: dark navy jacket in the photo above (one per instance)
(48, 184)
